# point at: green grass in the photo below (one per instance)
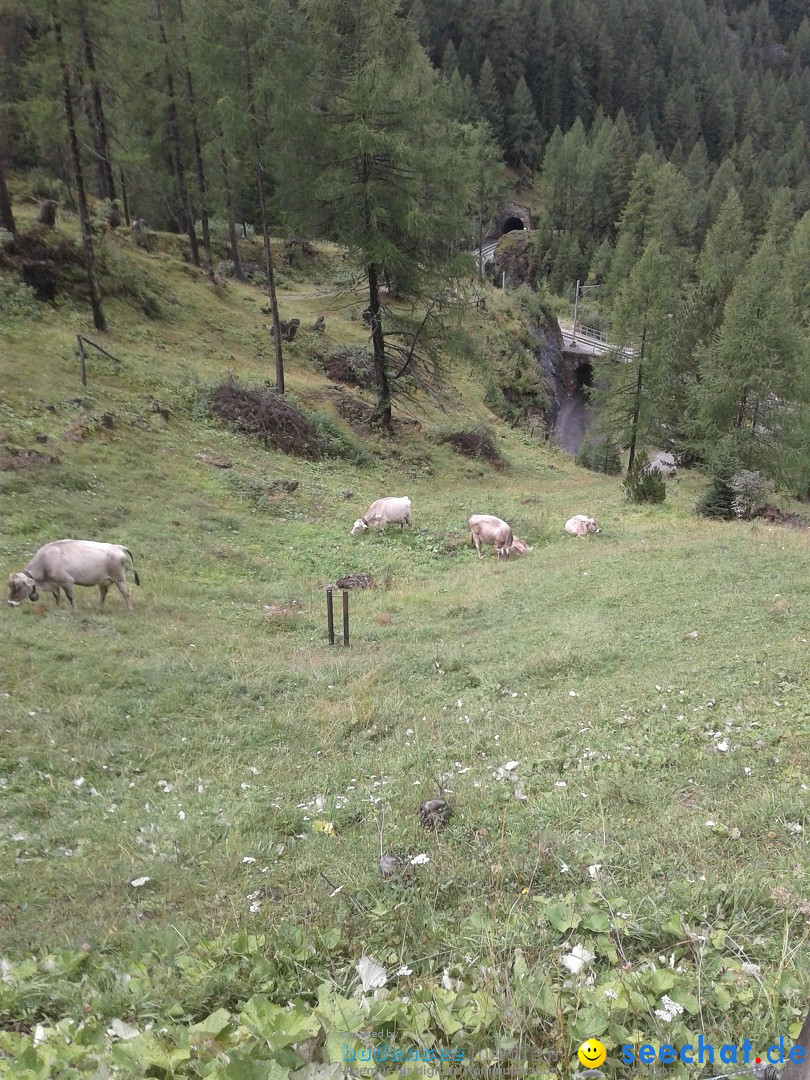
(574, 661)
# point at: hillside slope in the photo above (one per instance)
(620, 723)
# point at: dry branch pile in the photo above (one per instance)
(270, 416)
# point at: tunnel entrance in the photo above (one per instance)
(584, 377)
(512, 224)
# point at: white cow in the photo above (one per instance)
(580, 525)
(393, 510)
(488, 529)
(519, 547)
(65, 563)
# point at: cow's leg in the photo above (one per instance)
(477, 542)
(55, 591)
(102, 595)
(69, 594)
(122, 588)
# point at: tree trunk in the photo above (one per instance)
(174, 135)
(268, 255)
(195, 132)
(98, 123)
(6, 215)
(125, 198)
(236, 258)
(637, 405)
(382, 411)
(99, 321)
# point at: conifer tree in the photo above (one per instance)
(489, 101)
(386, 173)
(754, 383)
(642, 321)
(524, 138)
(99, 320)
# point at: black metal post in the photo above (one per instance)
(345, 617)
(330, 617)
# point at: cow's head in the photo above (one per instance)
(21, 587)
(359, 526)
(593, 525)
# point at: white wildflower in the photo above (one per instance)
(594, 870)
(669, 1009)
(138, 881)
(119, 1030)
(248, 859)
(372, 974)
(403, 970)
(722, 746)
(420, 860)
(78, 782)
(577, 959)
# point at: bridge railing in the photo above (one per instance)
(591, 332)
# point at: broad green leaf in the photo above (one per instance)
(596, 921)
(590, 1023)
(562, 917)
(278, 1027)
(661, 980)
(213, 1024)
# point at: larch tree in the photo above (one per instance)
(99, 320)
(642, 319)
(388, 175)
(754, 385)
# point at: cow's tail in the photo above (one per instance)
(132, 560)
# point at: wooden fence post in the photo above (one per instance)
(82, 362)
(330, 617)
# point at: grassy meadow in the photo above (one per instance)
(620, 723)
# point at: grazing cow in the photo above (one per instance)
(492, 530)
(393, 510)
(580, 525)
(65, 563)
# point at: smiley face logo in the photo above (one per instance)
(592, 1054)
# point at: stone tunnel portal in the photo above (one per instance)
(512, 224)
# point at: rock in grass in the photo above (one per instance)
(435, 813)
(356, 581)
(390, 865)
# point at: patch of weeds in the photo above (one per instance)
(17, 300)
(119, 277)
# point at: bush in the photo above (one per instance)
(600, 455)
(643, 484)
(750, 490)
(17, 300)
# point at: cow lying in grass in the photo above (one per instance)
(580, 525)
